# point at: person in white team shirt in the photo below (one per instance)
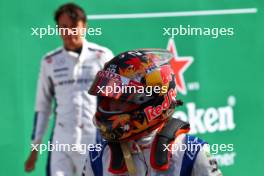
(66, 75)
(135, 119)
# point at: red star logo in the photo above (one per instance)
(179, 66)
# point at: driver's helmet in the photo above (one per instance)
(136, 93)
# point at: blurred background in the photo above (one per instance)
(220, 78)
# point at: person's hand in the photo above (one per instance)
(30, 162)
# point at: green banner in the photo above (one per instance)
(218, 62)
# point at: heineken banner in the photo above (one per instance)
(218, 60)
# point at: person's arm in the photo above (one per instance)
(204, 164)
(41, 120)
(44, 96)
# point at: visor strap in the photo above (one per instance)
(128, 159)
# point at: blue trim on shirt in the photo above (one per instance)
(96, 159)
(194, 144)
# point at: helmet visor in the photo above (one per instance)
(157, 56)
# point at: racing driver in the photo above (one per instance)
(65, 76)
(141, 137)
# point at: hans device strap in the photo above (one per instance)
(159, 157)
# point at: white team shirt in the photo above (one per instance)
(66, 77)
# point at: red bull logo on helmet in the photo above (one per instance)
(154, 112)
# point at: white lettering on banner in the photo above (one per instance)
(208, 120)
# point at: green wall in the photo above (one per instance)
(229, 66)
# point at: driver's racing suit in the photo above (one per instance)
(183, 162)
(66, 77)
